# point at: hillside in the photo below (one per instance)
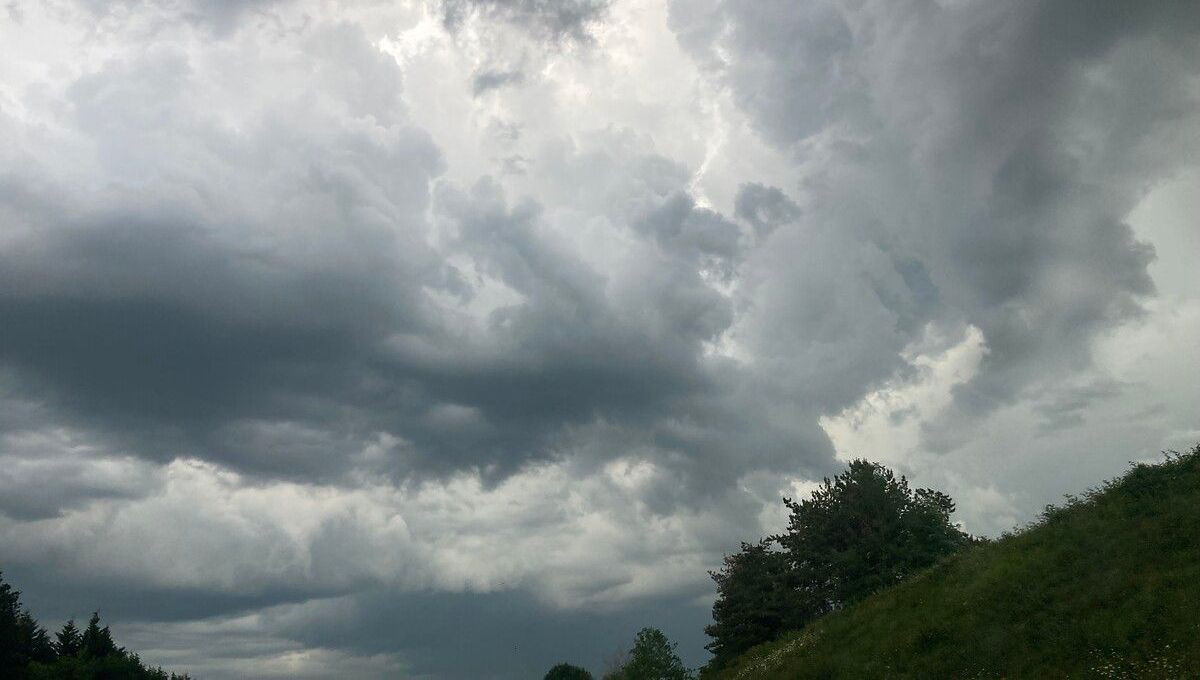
(1107, 586)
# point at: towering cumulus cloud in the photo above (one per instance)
(985, 156)
(338, 338)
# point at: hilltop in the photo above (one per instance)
(1106, 586)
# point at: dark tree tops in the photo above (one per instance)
(565, 671)
(26, 651)
(69, 641)
(653, 657)
(861, 531)
(97, 641)
(864, 530)
(22, 640)
(757, 597)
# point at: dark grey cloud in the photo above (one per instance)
(512, 635)
(578, 347)
(219, 278)
(265, 298)
(1066, 407)
(765, 208)
(219, 17)
(553, 20)
(698, 234)
(36, 484)
(499, 635)
(492, 79)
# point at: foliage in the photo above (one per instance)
(859, 532)
(865, 530)
(22, 641)
(68, 641)
(26, 651)
(1106, 585)
(653, 657)
(565, 671)
(757, 598)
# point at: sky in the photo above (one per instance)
(452, 339)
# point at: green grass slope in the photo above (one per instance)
(1107, 586)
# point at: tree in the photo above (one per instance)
(865, 530)
(757, 599)
(22, 640)
(26, 651)
(565, 671)
(97, 642)
(653, 657)
(10, 611)
(35, 642)
(68, 641)
(859, 532)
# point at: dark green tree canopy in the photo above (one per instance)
(97, 641)
(22, 640)
(866, 529)
(861, 531)
(653, 657)
(27, 653)
(565, 671)
(758, 597)
(68, 641)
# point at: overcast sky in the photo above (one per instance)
(455, 338)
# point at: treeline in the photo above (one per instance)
(652, 657)
(27, 651)
(861, 531)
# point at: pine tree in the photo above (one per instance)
(97, 642)
(22, 640)
(69, 640)
(35, 642)
(10, 612)
(27, 650)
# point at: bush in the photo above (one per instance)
(565, 671)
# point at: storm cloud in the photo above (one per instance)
(320, 324)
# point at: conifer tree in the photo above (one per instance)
(97, 642)
(69, 641)
(22, 640)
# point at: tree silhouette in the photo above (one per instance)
(758, 597)
(861, 531)
(653, 657)
(97, 641)
(27, 653)
(565, 671)
(22, 640)
(68, 641)
(866, 529)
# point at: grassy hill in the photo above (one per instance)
(1107, 586)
